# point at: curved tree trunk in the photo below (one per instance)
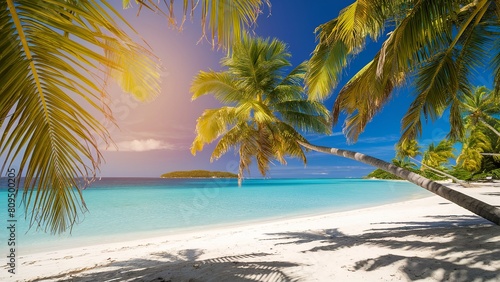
(461, 182)
(474, 205)
(491, 154)
(489, 126)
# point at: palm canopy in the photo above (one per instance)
(480, 106)
(408, 149)
(264, 105)
(436, 155)
(440, 44)
(480, 109)
(56, 57)
(224, 20)
(475, 143)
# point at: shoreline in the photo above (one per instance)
(84, 237)
(95, 240)
(156, 234)
(87, 242)
(318, 247)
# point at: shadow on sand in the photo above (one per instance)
(470, 252)
(471, 242)
(185, 266)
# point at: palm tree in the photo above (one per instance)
(436, 155)
(261, 101)
(481, 107)
(474, 145)
(51, 76)
(474, 205)
(408, 149)
(226, 20)
(404, 163)
(433, 157)
(56, 58)
(440, 44)
(263, 106)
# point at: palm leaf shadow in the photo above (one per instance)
(185, 266)
(472, 242)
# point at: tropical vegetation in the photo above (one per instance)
(54, 55)
(225, 21)
(56, 59)
(51, 76)
(382, 174)
(262, 108)
(437, 47)
(263, 105)
(478, 157)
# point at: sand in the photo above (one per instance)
(427, 239)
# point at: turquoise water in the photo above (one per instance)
(128, 208)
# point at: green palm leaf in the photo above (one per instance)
(339, 40)
(221, 85)
(265, 105)
(222, 21)
(436, 155)
(231, 139)
(213, 123)
(442, 43)
(50, 51)
(470, 157)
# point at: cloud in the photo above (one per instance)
(313, 137)
(339, 133)
(141, 146)
(381, 139)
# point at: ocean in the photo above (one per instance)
(130, 208)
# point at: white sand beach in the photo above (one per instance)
(427, 239)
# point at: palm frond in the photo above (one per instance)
(223, 21)
(211, 124)
(339, 40)
(435, 83)
(290, 87)
(52, 50)
(470, 157)
(325, 67)
(496, 68)
(306, 122)
(220, 84)
(438, 40)
(363, 97)
(408, 148)
(231, 139)
(436, 155)
(265, 152)
(282, 134)
(304, 106)
(457, 127)
(268, 103)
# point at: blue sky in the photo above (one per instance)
(155, 137)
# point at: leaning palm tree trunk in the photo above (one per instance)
(476, 206)
(442, 173)
(489, 126)
(491, 154)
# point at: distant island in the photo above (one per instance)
(199, 174)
